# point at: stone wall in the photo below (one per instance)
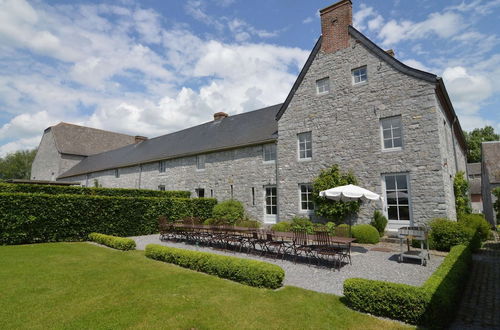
(243, 168)
(46, 163)
(345, 126)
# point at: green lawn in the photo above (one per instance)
(78, 285)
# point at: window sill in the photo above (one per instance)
(321, 94)
(360, 83)
(392, 149)
(268, 162)
(200, 170)
(304, 159)
(306, 212)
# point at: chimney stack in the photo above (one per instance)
(139, 138)
(390, 52)
(220, 115)
(335, 21)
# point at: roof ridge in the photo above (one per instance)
(92, 128)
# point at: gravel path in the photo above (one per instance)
(373, 265)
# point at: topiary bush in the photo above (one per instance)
(365, 233)
(115, 242)
(249, 272)
(330, 227)
(445, 234)
(229, 211)
(248, 223)
(379, 221)
(343, 230)
(301, 223)
(282, 226)
(477, 222)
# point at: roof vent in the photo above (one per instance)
(390, 52)
(139, 138)
(220, 115)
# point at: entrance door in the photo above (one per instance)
(270, 204)
(397, 197)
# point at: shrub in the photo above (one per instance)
(77, 190)
(461, 188)
(248, 223)
(301, 223)
(115, 242)
(35, 218)
(330, 227)
(230, 211)
(432, 304)
(342, 229)
(326, 208)
(445, 234)
(379, 222)
(250, 272)
(477, 222)
(496, 206)
(283, 226)
(365, 233)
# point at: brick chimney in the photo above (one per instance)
(139, 138)
(220, 115)
(335, 20)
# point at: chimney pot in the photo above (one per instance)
(220, 115)
(139, 138)
(390, 52)
(335, 21)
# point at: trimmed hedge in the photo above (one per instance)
(77, 190)
(250, 272)
(365, 233)
(35, 218)
(432, 304)
(115, 242)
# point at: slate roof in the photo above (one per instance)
(491, 160)
(84, 141)
(254, 127)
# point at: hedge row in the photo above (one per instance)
(432, 304)
(34, 218)
(77, 190)
(250, 272)
(115, 242)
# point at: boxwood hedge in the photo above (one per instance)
(120, 243)
(77, 190)
(432, 304)
(250, 272)
(34, 218)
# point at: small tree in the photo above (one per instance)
(461, 188)
(496, 192)
(334, 210)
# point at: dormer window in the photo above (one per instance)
(359, 75)
(323, 86)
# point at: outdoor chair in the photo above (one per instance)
(275, 246)
(301, 247)
(164, 228)
(324, 249)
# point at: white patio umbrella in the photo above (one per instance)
(350, 193)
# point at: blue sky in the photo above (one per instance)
(153, 67)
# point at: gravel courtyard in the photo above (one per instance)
(376, 265)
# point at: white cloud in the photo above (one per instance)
(307, 20)
(416, 64)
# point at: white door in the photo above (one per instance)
(270, 204)
(397, 197)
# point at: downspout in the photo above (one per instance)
(453, 142)
(276, 178)
(140, 175)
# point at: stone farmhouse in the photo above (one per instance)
(353, 104)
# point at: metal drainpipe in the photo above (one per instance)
(276, 178)
(140, 175)
(453, 142)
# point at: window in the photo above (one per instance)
(269, 151)
(211, 193)
(161, 187)
(232, 192)
(271, 201)
(391, 133)
(323, 86)
(359, 75)
(117, 173)
(306, 201)
(200, 162)
(162, 166)
(200, 192)
(397, 196)
(305, 145)
(253, 196)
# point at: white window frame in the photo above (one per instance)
(200, 162)
(300, 144)
(269, 150)
(354, 75)
(309, 199)
(269, 217)
(198, 190)
(320, 86)
(162, 166)
(382, 139)
(397, 223)
(117, 173)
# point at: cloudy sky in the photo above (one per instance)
(152, 67)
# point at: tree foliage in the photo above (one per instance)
(461, 187)
(474, 140)
(17, 165)
(333, 210)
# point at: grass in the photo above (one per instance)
(78, 285)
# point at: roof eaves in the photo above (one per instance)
(65, 174)
(299, 79)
